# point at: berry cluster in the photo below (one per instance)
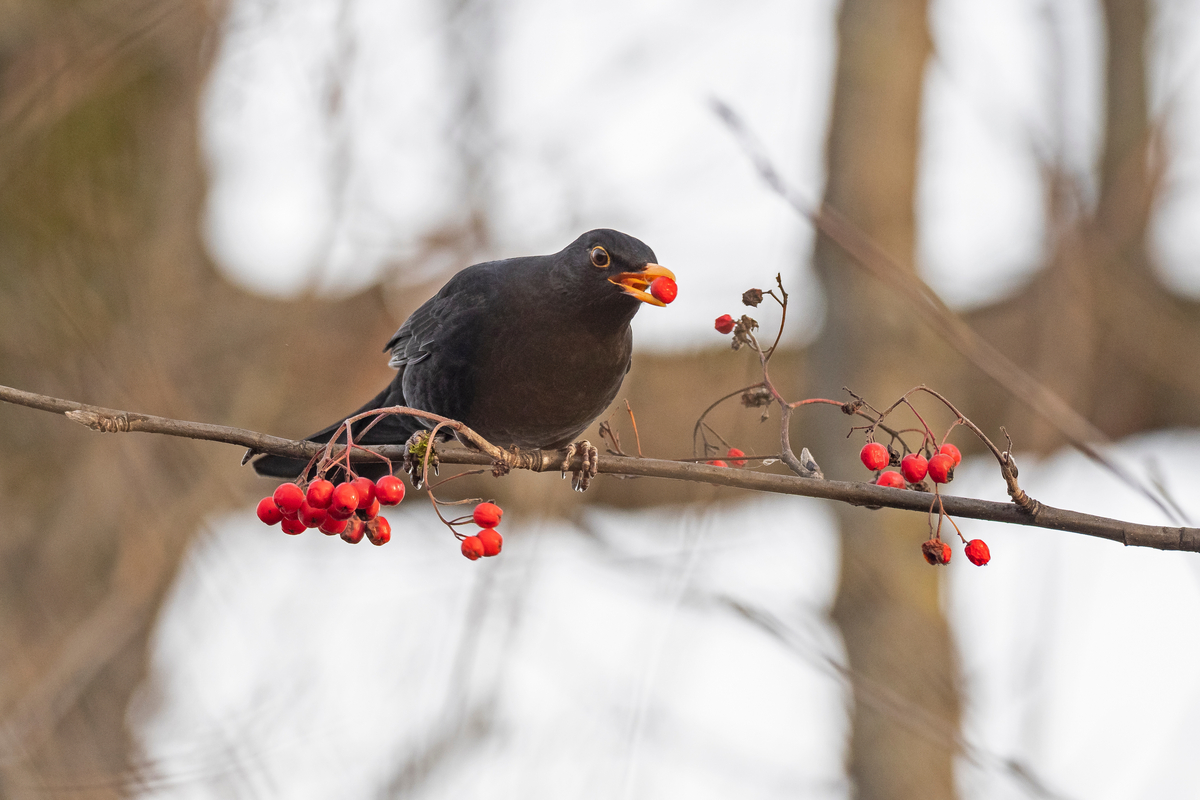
(350, 509)
(488, 541)
(938, 552)
(913, 467)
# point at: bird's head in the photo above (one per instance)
(614, 264)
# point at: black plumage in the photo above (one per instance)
(526, 351)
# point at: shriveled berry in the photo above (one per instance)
(320, 492)
(379, 531)
(389, 490)
(914, 466)
(332, 527)
(312, 517)
(874, 456)
(941, 468)
(355, 528)
(716, 462)
(492, 541)
(890, 478)
(977, 552)
(293, 526)
(371, 511)
(664, 289)
(472, 548)
(953, 452)
(288, 498)
(735, 457)
(936, 551)
(487, 515)
(366, 491)
(344, 500)
(724, 324)
(268, 512)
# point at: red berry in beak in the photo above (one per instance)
(664, 289)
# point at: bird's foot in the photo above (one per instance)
(415, 451)
(581, 479)
(500, 468)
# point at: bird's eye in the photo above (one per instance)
(599, 257)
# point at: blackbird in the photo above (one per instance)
(526, 351)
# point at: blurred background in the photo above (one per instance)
(220, 211)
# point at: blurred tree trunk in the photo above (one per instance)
(1097, 324)
(887, 604)
(106, 296)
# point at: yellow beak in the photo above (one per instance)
(635, 284)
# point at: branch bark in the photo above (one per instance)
(867, 495)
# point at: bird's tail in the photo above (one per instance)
(393, 429)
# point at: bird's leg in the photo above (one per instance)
(414, 457)
(581, 479)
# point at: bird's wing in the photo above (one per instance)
(459, 301)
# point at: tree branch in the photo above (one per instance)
(869, 495)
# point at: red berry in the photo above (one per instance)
(319, 493)
(941, 468)
(492, 541)
(371, 511)
(337, 513)
(914, 466)
(288, 497)
(268, 512)
(978, 553)
(664, 289)
(716, 462)
(312, 517)
(735, 457)
(874, 456)
(890, 478)
(487, 515)
(472, 548)
(379, 531)
(344, 501)
(293, 526)
(389, 490)
(332, 526)
(951, 451)
(936, 551)
(355, 528)
(724, 323)
(366, 491)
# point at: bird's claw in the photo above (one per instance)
(581, 479)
